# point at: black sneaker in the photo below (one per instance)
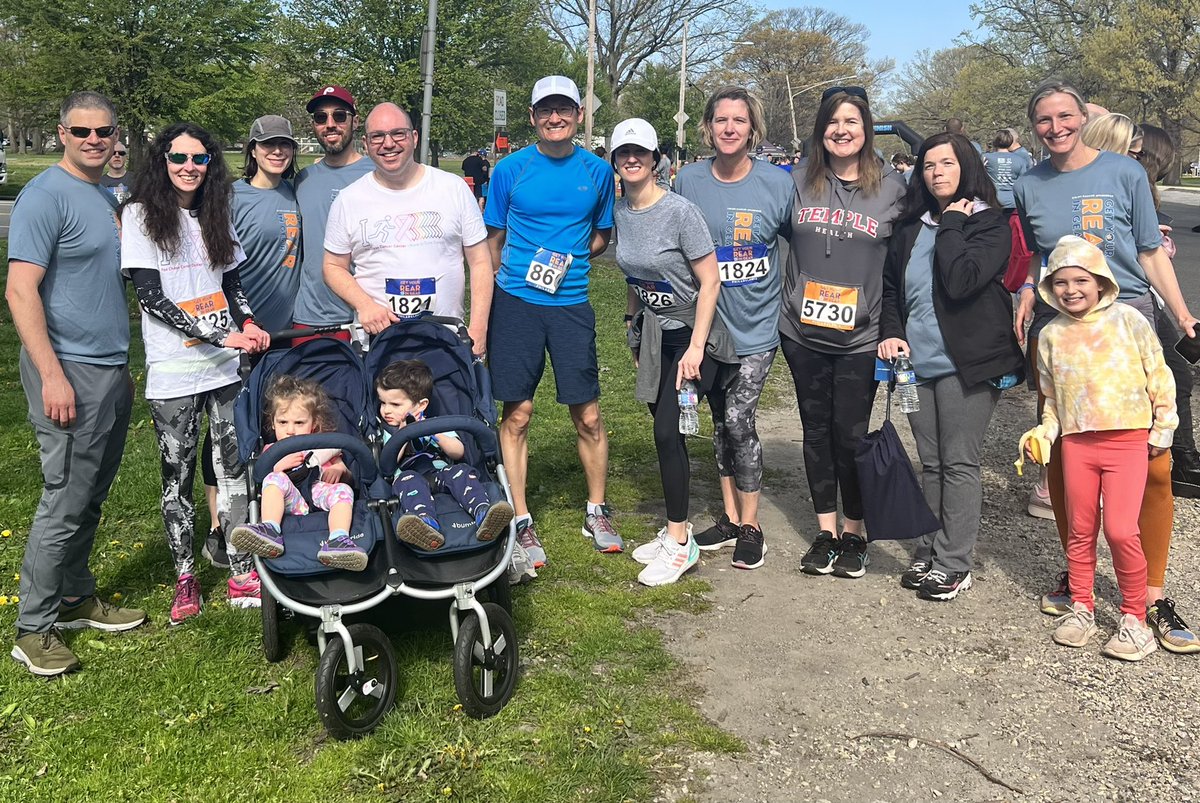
(1185, 474)
(214, 549)
(723, 533)
(751, 549)
(821, 555)
(943, 586)
(914, 574)
(852, 559)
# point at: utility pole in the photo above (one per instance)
(427, 70)
(681, 117)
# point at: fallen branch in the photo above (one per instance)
(945, 748)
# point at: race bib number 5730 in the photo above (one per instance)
(742, 264)
(829, 306)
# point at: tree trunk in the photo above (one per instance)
(134, 131)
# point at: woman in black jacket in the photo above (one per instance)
(944, 304)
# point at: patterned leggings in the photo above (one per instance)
(324, 494)
(415, 489)
(734, 409)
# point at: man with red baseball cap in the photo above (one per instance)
(334, 120)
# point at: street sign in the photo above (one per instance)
(796, 143)
(499, 108)
(595, 102)
(681, 117)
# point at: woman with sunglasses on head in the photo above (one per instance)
(1104, 198)
(747, 205)
(179, 249)
(844, 209)
(945, 305)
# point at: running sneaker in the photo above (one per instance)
(188, 601)
(1076, 628)
(852, 559)
(44, 654)
(247, 592)
(418, 531)
(1039, 502)
(943, 586)
(751, 549)
(914, 574)
(821, 555)
(599, 528)
(520, 570)
(1169, 628)
(527, 537)
(672, 560)
(647, 552)
(721, 534)
(1058, 601)
(1132, 642)
(95, 612)
(340, 552)
(214, 550)
(493, 520)
(257, 539)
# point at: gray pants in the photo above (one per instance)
(79, 464)
(949, 431)
(177, 425)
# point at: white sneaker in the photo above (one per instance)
(1133, 641)
(520, 570)
(647, 552)
(672, 561)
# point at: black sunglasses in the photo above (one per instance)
(119, 153)
(198, 159)
(857, 91)
(339, 116)
(83, 132)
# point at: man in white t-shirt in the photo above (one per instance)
(407, 227)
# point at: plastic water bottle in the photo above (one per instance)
(906, 384)
(689, 417)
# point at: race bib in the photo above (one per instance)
(547, 270)
(656, 295)
(213, 308)
(829, 306)
(408, 298)
(742, 264)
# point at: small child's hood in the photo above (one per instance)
(1076, 252)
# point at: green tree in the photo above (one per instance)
(655, 98)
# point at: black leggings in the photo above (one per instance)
(835, 393)
(673, 463)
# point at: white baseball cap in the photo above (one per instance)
(635, 131)
(555, 85)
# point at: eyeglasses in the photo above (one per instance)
(1135, 155)
(377, 138)
(339, 116)
(198, 159)
(83, 132)
(545, 112)
(856, 91)
(120, 153)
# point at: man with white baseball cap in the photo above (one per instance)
(549, 211)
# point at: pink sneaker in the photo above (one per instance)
(245, 593)
(187, 602)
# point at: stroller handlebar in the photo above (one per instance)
(432, 426)
(365, 469)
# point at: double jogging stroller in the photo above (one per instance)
(357, 677)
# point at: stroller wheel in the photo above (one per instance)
(353, 704)
(485, 678)
(500, 592)
(272, 647)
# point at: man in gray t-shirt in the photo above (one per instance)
(68, 305)
(334, 120)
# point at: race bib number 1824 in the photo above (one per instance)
(742, 264)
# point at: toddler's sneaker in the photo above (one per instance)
(1058, 601)
(914, 574)
(257, 539)
(1076, 628)
(520, 570)
(1169, 628)
(527, 537)
(419, 532)
(672, 560)
(187, 602)
(943, 586)
(340, 552)
(493, 520)
(1133, 641)
(721, 534)
(599, 528)
(820, 557)
(852, 558)
(751, 549)
(1039, 502)
(245, 593)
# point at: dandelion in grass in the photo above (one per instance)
(5, 533)
(3, 600)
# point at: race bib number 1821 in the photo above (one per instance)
(408, 298)
(742, 264)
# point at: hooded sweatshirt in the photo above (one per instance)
(833, 285)
(1104, 370)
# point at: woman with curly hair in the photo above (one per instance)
(179, 249)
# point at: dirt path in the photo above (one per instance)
(798, 666)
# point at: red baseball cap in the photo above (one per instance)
(332, 92)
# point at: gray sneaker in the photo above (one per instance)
(45, 654)
(520, 570)
(527, 538)
(1076, 628)
(599, 528)
(1132, 642)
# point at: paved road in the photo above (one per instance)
(5, 211)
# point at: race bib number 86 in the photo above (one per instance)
(742, 264)
(547, 270)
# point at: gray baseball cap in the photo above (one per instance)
(271, 126)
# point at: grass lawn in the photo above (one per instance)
(196, 713)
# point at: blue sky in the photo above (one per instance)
(900, 29)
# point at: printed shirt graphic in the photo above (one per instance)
(407, 245)
(267, 222)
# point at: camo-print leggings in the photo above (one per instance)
(177, 425)
(734, 408)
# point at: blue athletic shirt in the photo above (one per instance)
(549, 206)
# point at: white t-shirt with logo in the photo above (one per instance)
(407, 245)
(177, 365)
